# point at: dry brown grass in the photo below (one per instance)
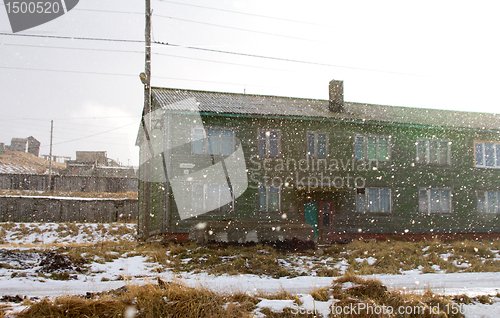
(26, 162)
(164, 300)
(174, 299)
(372, 293)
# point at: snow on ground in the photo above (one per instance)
(67, 233)
(128, 269)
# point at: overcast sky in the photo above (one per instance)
(426, 54)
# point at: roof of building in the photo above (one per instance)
(231, 103)
(16, 162)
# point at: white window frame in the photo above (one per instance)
(485, 202)
(426, 144)
(267, 204)
(365, 145)
(203, 197)
(429, 203)
(314, 154)
(363, 203)
(205, 140)
(267, 138)
(480, 144)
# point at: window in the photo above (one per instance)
(211, 197)
(317, 143)
(433, 151)
(373, 200)
(372, 148)
(488, 201)
(434, 200)
(269, 198)
(269, 143)
(487, 154)
(213, 141)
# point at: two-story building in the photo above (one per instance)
(348, 169)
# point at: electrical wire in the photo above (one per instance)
(142, 52)
(241, 29)
(247, 14)
(96, 134)
(214, 51)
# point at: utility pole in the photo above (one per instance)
(50, 155)
(147, 107)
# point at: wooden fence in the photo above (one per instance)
(61, 209)
(67, 183)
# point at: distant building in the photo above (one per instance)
(30, 145)
(33, 146)
(96, 163)
(97, 157)
(19, 144)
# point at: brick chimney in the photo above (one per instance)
(336, 93)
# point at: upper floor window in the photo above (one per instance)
(487, 154)
(434, 200)
(372, 148)
(488, 201)
(269, 143)
(213, 141)
(269, 198)
(373, 200)
(433, 151)
(317, 143)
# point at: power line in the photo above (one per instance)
(71, 48)
(213, 51)
(63, 71)
(110, 11)
(241, 29)
(141, 52)
(130, 75)
(248, 14)
(72, 37)
(278, 58)
(210, 24)
(65, 130)
(97, 134)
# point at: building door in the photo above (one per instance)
(311, 216)
(319, 215)
(325, 216)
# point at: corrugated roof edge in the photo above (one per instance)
(384, 113)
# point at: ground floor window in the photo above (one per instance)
(211, 197)
(269, 198)
(373, 200)
(488, 201)
(434, 200)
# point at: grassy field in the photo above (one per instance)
(356, 296)
(104, 242)
(343, 263)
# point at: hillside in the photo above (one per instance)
(17, 162)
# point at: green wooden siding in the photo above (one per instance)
(402, 174)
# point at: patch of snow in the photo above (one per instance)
(370, 260)
(445, 256)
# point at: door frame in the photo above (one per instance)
(318, 228)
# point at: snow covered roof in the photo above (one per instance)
(16, 162)
(262, 105)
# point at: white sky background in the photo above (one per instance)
(428, 54)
